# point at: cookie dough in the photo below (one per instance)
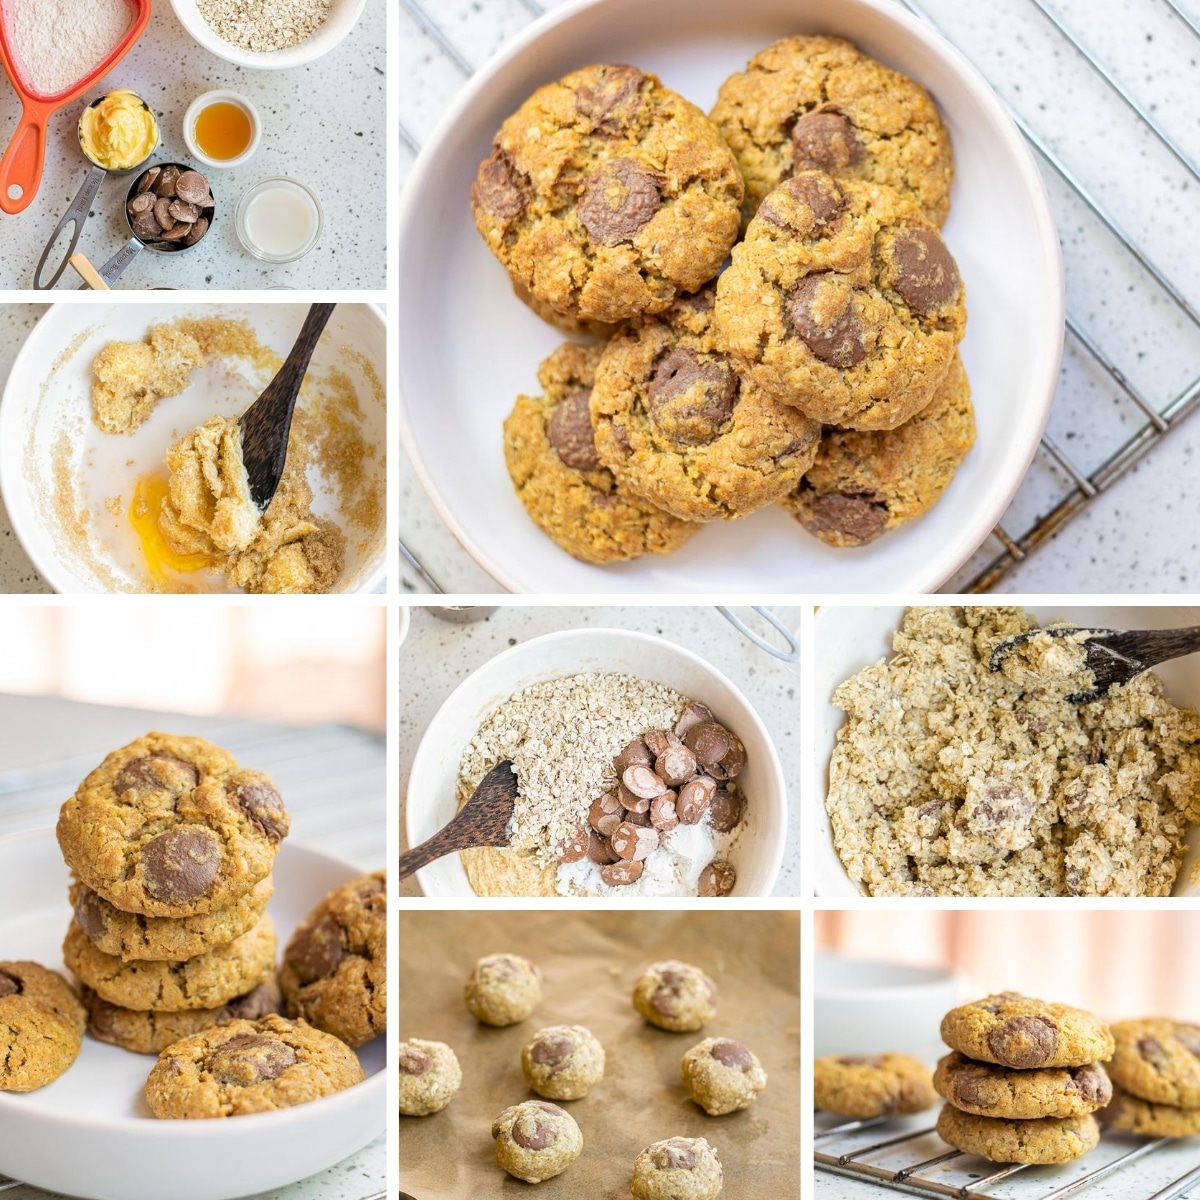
(536, 1140)
(606, 194)
(41, 1026)
(132, 377)
(148, 1032)
(248, 1067)
(207, 981)
(677, 1168)
(550, 452)
(171, 827)
(562, 1062)
(679, 427)
(820, 103)
(334, 971)
(429, 1077)
(132, 936)
(1131, 1114)
(502, 989)
(863, 484)
(722, 1076)
(675, 996)
(991, 1091)
(1046, 1140)
(1016, 1031)
(844, 301)
(872, 1085)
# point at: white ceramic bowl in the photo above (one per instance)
(848, 639)
(460, 312)
(758, 851)
(220, 96)
(47, 398)
(90, 1133)
(342, 18)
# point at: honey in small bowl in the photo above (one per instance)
(223, 130)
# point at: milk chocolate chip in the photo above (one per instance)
(717, 750)
(89, 913)
(499, 188)
(250, 1058)
(694, 799)
(676, 765)
(659, 741)
(717, 879)
(807, 204)
(531, 1133)
(675, 1154)
(619, 873)
(636, 753)
(618, 198)
(1024, 1042)
(822, 313)
(825, 140)
(256, 796)
(414, 1061)
(731, 1054)
(575, 847)
(605, 815)
(181, 865)
(693, 714)
(1092, 1084)
(571, 434)
(611, 101)
(1189, 1038)
(860, 1060)
(9, 985)
(255, 1005)
(600, 849)
(859, 517)
(156, 773)
(725, 809)
(634, 842)
(643, 782)
(315, 952)
(663, 815)
(692, 395)
(926, 273)
(552, 1049)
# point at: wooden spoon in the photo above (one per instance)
(1111, 655)
(268, 421)
(482, 821)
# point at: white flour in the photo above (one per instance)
(58, 42)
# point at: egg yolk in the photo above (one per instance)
(161, 557)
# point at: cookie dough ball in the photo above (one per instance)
(536, 1140)
(675, 996)
(429, 1077)
(562, 1062)
(863, 1086)
(677, 1169)
(722, 1076)
(41, 1026)
(502, 989)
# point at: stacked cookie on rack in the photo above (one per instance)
(1024, 1080)
(1156, 1078)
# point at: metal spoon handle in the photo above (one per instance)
(1153, 646)
(77, 213)
(113, 269)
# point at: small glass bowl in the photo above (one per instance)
(248, 198)
(202, 102)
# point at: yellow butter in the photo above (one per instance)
(118, 131)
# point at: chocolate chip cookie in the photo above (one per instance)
(1015, 1031)
(820, 103)
(844, 301)
(1046, 1140)
(429, 1077)
(606, 194)
(722, 1075)
(248, 1067)
(550, 452)
(991, 1091)
(334, 971)
(864, 484)
(562, 1062)
(172, 827)
(677, 1168)
(1158, 1060)
(680, 428)
(207, 981)
(878, 1085)
(536, 1140)
(41, 1026)
(1131, 1114)
(675, 996)
(502, 989)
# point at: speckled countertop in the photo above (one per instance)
(437, 655)
(1142, 536)
(323, 124)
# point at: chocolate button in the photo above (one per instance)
(731, 1054)
(808, 203)
(259, 800)
(823, 315)
(9, 985)
(533, 1134)
(499, 188)
(676, 1154)
(552, 1049)
(1024, 1042)
(156, 772)
(181, 865)
(825, 141)
(414, 1061)
(926, 273)
(611, 100)
(571, 434)
(316, 952)
(255, 1005)
(250, 1058)
(617, 200)
(694, 395)
(89, 913)
(860, 517)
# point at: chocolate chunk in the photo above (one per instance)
(256, 796)
(552, 1049)
(181, 210)
(142, 202)
(663, 815)
(1188, 1036)
(694, 799)
(197, 231)
(861, 1060)
(177, 232)
(414, 1061)
(146, 182)
(600, 849)
(692, 394)
(1002, 804)
(574, 848)
(181, 865)
(532, 1134)
(369, 889)
(725, 809)
(611, 101)
(659, 741)
(676, 765)
(926, 275)
(858, 517)
(617, 199)
(193, 187)
(250, 1058)
(606, 814)
(717, 750)
(808, 204)
(145, 227)
(643, 783)
(1024, 1042)
(571, 434)
(89, 913)
(693, 714)
(1092, 1084)
(499, 188)
(156, 772)
(717, 879)
(635, 753)
(619, 873)
(255, 1005)
(634, 842)
(822, 313)
(315, 952)
(731, 1054)
(168, 177)
(675, 1154)
(1152, 1050)
(825, 140)
(162, 212)
(969, 1087)
(10, 985)
(643, 818)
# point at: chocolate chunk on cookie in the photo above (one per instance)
(991, 1091)
(1018, 1032)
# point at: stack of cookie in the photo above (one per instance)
(1156, 1078)
(1024, 1081)
(172, 846)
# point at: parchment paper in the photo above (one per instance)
(589, 962)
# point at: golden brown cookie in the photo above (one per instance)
(1019, 1032)
(855, 1085)
(1158, 1060)
(41, 1026)
(675, 996)
(990, 1091)
(1131, 1114)
(1044, 1141)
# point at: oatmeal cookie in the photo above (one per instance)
(819, 103)
(41, 1026)
(606, 194)
(680, 428)
(1131, 1114)
(502, 989)
(1158, 1060)
(248, 1067)
(844, 301)
(579, 327)
(562, 1062)
(334, 971)
(536, 1140)
(722, 1076)
(864, 484)
(1046, 1140)
(679, 1168)
(172, 827)
(550, 452)
(1017, 1031)
(991, 1091)
(675, 996)
(872, 1085)
(429, 1077)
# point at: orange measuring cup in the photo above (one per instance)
(21, 166)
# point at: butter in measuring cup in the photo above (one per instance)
(118, 131)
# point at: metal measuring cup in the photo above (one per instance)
(81, 206)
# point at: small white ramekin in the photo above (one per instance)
(202, 102)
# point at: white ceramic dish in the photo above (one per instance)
(405, 620)
(90, 1133)
(460, 311)
(220, 96)
(342, 18)
(46, 405)
(848, 639)
(758, 851)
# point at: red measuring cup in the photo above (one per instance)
(21, 166)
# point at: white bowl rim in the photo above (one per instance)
(216, 96)
(932, 978)
(928, 574)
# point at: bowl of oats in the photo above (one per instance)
(641, 771)
(941, 777)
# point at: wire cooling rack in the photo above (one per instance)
(1108, 413)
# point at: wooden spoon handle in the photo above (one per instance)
(1152, 646)
(447, 840)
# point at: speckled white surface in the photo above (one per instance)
(323, 124)
(1143, 534)
(437, 655)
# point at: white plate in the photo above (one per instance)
(468, 347)
(48, 397)
(90, 1133)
